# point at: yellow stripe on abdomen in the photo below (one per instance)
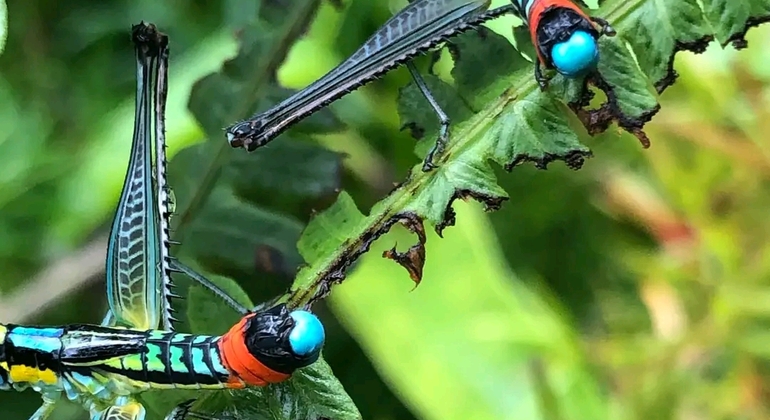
(21, 373)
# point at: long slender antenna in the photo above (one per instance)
(175, 265)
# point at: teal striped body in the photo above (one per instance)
(171, 361)
(101, 367)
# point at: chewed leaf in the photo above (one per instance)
(499, 115)
(413, 259)
(735, 18)
(657, 31)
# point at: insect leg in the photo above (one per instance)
(183, 412)
(109, 319)
(132, 410)
(541, 79)
(177, 266)
(606, 29)
(443, 133)
(45, 410)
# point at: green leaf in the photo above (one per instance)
(477, 344)
(3, 24)
(735, 18)
(500, 117)
(498, 114)
(311, 393)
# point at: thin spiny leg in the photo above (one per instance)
(45, 410)
(605, 26)
(183, 411)
(176, 266)
(541, 79)
(443, 134)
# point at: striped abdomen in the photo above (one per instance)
(264, 347)
(169, 360)
(93, 358)
(30, 356)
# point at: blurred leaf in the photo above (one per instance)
(228, 218)
(476, 343)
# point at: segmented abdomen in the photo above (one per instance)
(92, 359)
(172, 360)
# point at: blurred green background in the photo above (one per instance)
(636, 288)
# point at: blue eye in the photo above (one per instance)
(308, 334)
(576, 55)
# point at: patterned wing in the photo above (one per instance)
(138, 283)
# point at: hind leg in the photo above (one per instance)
(183, 412)
(606, 29)
(45, 410)
(131, 410)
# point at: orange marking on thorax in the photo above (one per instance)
(243, 366)
(536, 14)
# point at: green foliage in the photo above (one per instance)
(205, 209)
(513, 122)
(313, 392)
(498, 113)
(559, 305)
